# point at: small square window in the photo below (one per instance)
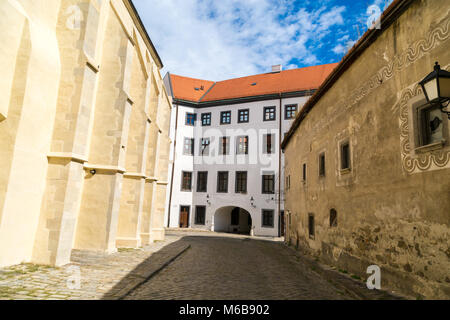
(267, 218)
(206, 119)
(190, 119)
(243, 116)
(225, 117)
(431, 125)
(269, 113)
(290, 111)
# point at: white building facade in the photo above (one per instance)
(227, 166)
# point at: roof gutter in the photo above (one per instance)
(387, 18)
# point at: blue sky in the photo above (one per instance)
(222, 39)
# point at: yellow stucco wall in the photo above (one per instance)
(81, 90)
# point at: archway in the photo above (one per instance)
(233, 220)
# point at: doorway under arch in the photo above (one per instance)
(233, 220)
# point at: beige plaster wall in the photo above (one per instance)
(393, 206)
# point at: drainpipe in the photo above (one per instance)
(173, 168)
(279, 166)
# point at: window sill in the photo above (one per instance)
(431, 147)
(345, 171)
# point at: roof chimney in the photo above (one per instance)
(277, 68)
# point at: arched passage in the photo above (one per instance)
(233, 220)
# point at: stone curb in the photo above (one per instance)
(157, 262)
(355, 288)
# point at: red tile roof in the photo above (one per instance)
(189, 89)
(263, 84)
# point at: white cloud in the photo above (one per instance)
(217, 40)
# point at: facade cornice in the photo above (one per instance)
(217, 103)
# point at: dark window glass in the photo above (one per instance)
(235, 217)
(241, 182)
(190, 119)
(333, 218)
(269, 143)
(243, 116)
(225, 117)
(345, 156)
(268, 184)
(242, 145)
(322, 165)
(431, 125)
(224, 147)
(202, 181)
(204, 147)
(311, 225)
(188, 148)
(267, 218)
(200, 214)
(206, 119)
(290, 111)
(222, 182)
(269, 113)
(186, 181)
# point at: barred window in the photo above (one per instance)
(186, 181)
(222, 182)
(267, 218)
(202, 181)
(200, 215)
(241, 182)
(268, 184)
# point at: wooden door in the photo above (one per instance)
(184, 217)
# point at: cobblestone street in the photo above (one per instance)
(191, 266)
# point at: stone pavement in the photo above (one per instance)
(99, 274)
(187, 265)
(239, 268)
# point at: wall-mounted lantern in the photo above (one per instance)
(252, 202)
(436, 87)
(207, 200)
(93, 172)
